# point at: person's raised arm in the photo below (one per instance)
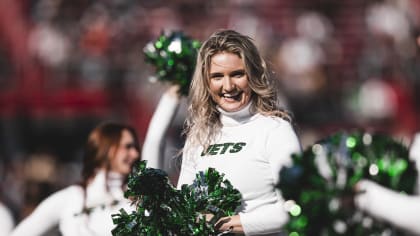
(153, 145)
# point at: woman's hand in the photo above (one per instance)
(360, 187)
(230, 223)
(173, 91)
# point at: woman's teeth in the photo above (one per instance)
(232, 96)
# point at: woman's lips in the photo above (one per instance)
(232, 97)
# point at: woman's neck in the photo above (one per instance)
(236, 117)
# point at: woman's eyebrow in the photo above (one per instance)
(241, 71)
(216, 74)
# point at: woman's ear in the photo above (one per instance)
(112, 152)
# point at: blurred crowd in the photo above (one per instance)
(67, 65)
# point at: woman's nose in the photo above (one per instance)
(134, 152)
(227, 84)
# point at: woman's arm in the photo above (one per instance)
(188, 170)
(45, 216)
(266, 219)
(153, 145)
(281, 142)
(398, 209)
(7, 220)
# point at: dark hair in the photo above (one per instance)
(100, 141)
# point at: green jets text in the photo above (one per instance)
(222, 148)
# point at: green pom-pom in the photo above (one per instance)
(318, 187)
(173, 57)
(163, 210)
(213, 194)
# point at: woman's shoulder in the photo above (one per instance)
(274, 125)
(64, 198)
(69, 192)
(271, 121)
(74, 188)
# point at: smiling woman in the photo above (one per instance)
(124, 154)
(229, 82)
(235, 126)
(86, 208)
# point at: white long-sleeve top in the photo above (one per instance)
(400, 210)
(250, 150)
(6, 219)
(64, 208)
(153, 145)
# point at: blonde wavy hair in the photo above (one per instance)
(203, 121)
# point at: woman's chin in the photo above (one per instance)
(232, 107)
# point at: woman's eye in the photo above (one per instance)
(216, 77)
(238, 74)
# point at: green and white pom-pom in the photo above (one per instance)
(173, 57)
(318, 187)
(163, 210)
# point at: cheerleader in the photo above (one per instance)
(85, 209)
(234, 125)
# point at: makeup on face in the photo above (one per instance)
(228, 82)
(125, 155)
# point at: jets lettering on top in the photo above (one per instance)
(222, 148)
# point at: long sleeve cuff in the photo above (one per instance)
(265, 220)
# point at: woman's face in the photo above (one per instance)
(229, 82)
(124, 155)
